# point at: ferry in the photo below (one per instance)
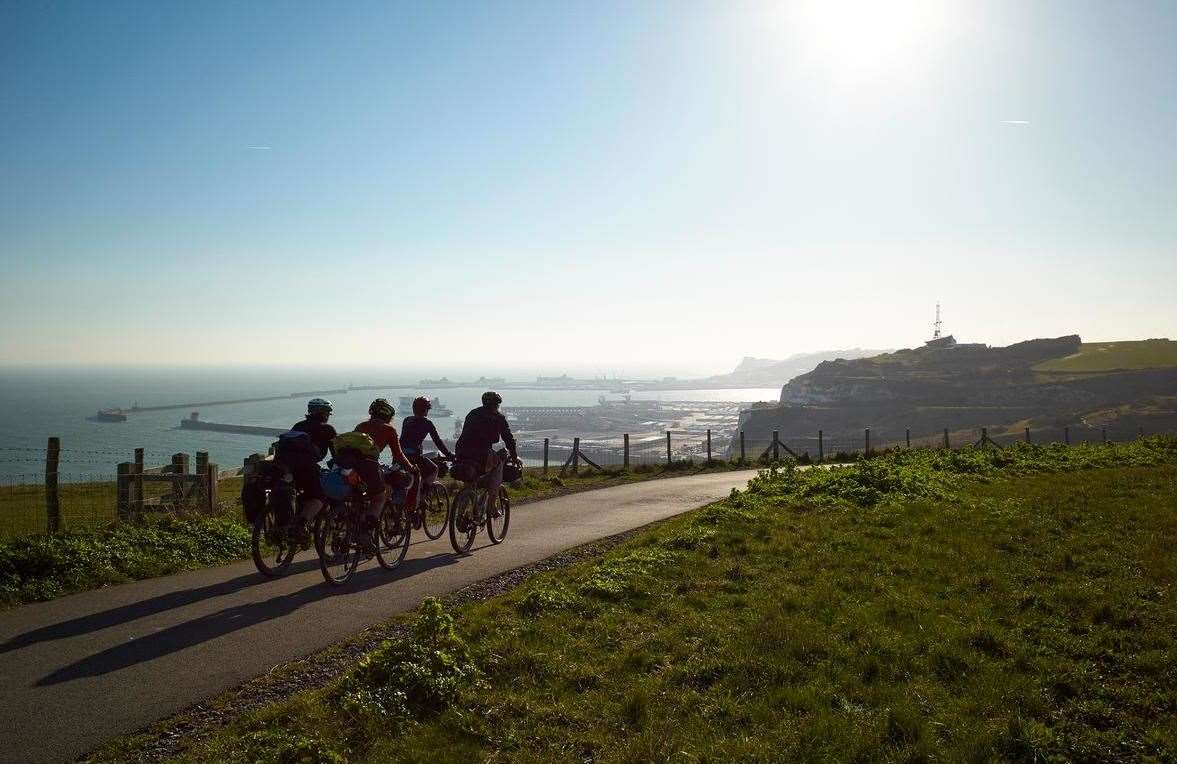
(438, 408)
(110, 415)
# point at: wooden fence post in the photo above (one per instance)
(946, 438)
(776, 445)
(625, 451)
(1140, 432)
(575, 455)
(742, 452)
(179, 469)
(52, 499)
(1027, 434)
(545, 456)
(668, 458)
(1103, 433)
(210, 490)
(1067, 435)
(867, 453)
(821, 447)
(123, 490)
(709, 446)
(907, 437)
(137, 481)
(201, 462)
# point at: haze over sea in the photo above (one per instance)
(41, 402)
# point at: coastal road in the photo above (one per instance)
(84, 668)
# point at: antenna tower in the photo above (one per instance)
(936, 332)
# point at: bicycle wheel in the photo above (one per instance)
(435, 511)
(395, 530)
(463, 523)
(272, 550)
(498, 521)
(338, 554)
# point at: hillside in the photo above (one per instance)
(1044, 384)
(1114, 356)
(756, 372)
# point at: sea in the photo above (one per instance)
(36, 403)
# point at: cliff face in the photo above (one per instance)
(967, 386)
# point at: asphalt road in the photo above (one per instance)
(82, 669)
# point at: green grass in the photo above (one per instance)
(1112, 356)
(961, 606)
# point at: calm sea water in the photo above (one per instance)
(38, 403)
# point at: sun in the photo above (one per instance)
(858, 39)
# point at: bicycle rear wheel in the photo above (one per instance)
(435, 511)
(463, 523)
(394, 531)
(338, 554)
(499, 521)
(272, 550)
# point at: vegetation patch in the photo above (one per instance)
(41, 567)
(1003, 605)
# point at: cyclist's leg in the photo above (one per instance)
(428, 475)
(310, 489)
(373, 478)
(494, 478)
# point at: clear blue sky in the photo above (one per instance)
(609, 185)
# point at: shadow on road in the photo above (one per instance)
(132, 611)
(214, 625)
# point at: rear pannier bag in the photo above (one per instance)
(295, 446)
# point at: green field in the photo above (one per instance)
(1112, 356)
(925, 605)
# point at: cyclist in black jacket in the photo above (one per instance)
(306, 470)
(482, 428)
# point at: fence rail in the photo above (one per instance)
(58, 488)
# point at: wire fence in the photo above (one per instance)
(42, 493)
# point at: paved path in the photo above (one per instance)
(82, 669)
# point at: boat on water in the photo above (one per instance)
(438, 408)
(110, 415)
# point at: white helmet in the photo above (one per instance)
(319, 406)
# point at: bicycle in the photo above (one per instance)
(341, 530)
(270, 497)
(468, 515)
(433, 504)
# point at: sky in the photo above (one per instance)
(631, 187)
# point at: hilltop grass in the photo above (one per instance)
(1113, 356)
(89, 555)
(967, 606)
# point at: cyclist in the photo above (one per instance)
(413, 431)
(379, 428)
(482, 428)
(302, 455)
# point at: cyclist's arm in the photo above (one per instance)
(394, 445)
(507, 436)
(437, 441)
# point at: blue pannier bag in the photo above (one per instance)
(335, 485)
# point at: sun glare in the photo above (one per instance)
(857, 39)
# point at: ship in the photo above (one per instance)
(110, 415)
(437, 408)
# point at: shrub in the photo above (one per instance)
(413, 675)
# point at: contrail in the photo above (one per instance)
(260, 148)
(1015, 121)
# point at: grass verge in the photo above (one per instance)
(972, 605)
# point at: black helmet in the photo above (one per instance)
(381, 408)
(320, 406)
(491, 398)
(421, 405)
